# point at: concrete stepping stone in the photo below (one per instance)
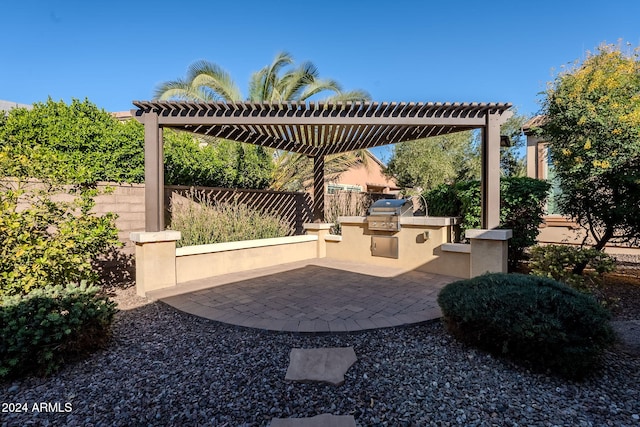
(324, 420)
(320, 364)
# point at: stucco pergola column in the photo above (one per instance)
(155, 260)
(489, 251)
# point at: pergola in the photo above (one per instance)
(318, 129)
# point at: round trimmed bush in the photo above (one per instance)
(533, 320)
(49, 326)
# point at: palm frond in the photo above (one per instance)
(309, 70)
(178, 89)
(318, 86)
(163, 93)
(352, 95)
(293, 84)
(339, 163)
(264, 82)
(255, 87)
(290, 172)
(205, 73)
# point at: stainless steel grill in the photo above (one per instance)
(384, 214)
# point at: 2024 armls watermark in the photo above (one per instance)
(31, 407)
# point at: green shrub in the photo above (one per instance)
(530, 319)
(218, 163)
(187, 163)
(82, 140)
(50, 243)
(444, 201)
(50, 326)
(522, 208)
(469, 194)
(202, 221)
(558, 262)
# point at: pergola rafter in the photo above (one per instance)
(318, 129)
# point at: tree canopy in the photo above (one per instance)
(593, 128)
(429, 162)
(512, 162)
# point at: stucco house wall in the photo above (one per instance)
(369, 177)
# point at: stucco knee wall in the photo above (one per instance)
(202, 265)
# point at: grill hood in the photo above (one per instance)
(397, 207)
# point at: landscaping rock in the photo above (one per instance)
(167, 368)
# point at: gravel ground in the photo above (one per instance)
(166, 368)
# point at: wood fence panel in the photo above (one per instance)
(294, 208)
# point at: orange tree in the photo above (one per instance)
(593, 130)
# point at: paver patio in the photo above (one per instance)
(322, 295)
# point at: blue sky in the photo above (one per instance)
(114, 52)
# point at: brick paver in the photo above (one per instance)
(315, 296)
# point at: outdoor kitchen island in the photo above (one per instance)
(421, 243)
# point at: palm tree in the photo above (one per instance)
(206, 81)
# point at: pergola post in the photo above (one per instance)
(155, 247)
(153, 173)
(490, 179)
(318, 187)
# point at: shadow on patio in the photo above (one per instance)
(322, 295)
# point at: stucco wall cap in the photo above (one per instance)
(429, 220)
(488, 234)
(242, 244)
(456, 247)
(316, 226)
(155, 236)
(352, 219)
